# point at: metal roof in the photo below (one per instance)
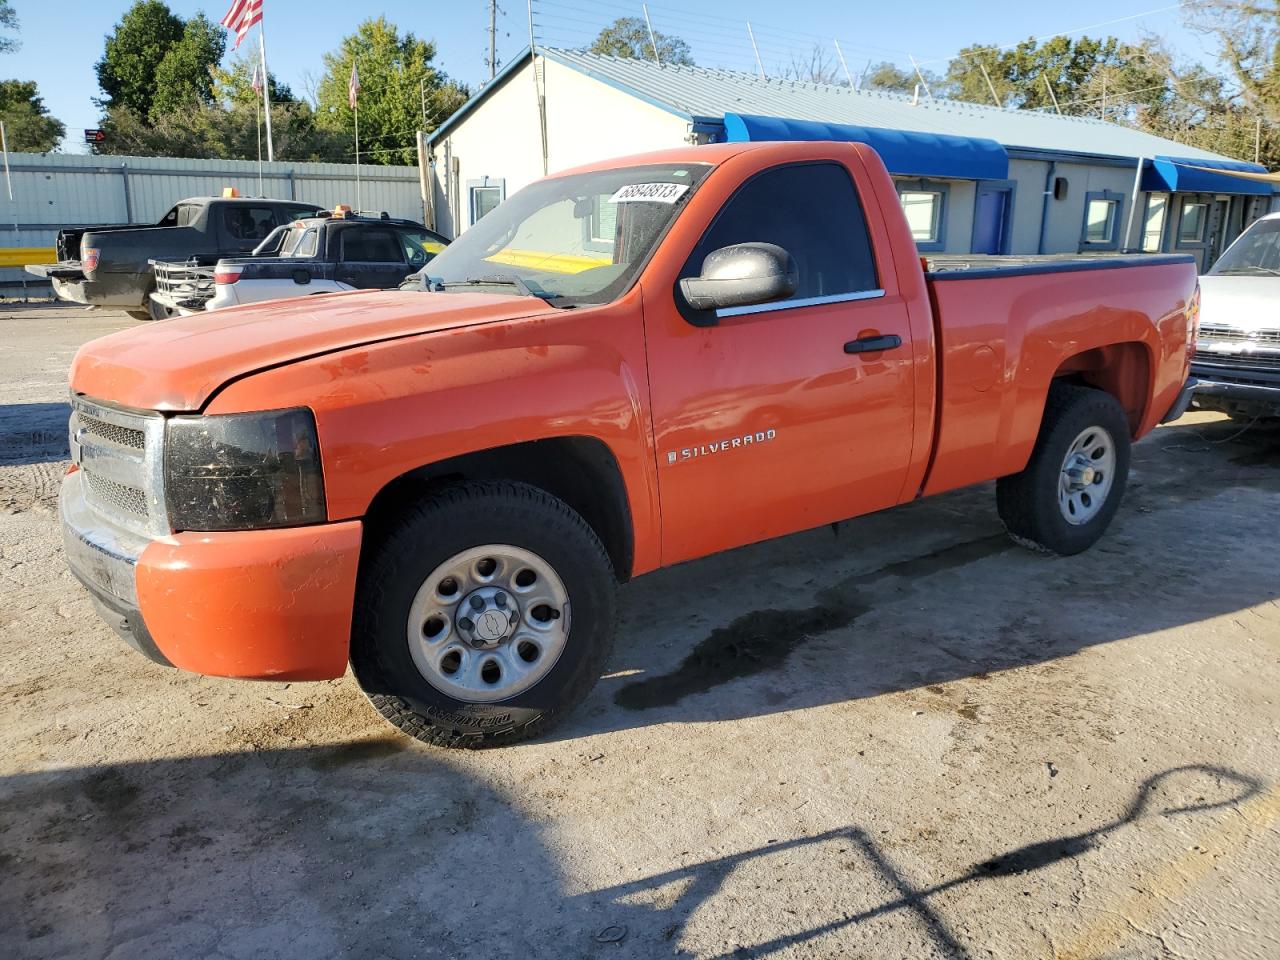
(705, 95)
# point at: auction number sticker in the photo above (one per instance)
(650, 193)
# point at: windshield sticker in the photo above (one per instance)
(650, 193)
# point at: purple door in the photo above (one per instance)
(990, 219)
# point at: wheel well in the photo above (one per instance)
(581, 471)
(1120, 369)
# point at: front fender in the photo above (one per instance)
(388, 408)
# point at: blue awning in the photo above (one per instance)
(1189, 175)
(905, 152)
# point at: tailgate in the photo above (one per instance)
(185, 285)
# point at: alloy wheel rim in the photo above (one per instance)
(1087, 475)
(488, 623)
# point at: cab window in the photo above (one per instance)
(243, 222)
(420, 246)
(812, 211)
(371, 246)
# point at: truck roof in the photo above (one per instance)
(713, 153)
(246, 200)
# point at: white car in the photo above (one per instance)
(1237, 358)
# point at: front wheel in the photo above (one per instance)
(484, 616)
(1071, 488)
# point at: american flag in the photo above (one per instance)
(242, 16)
(256, 83)
(353, 86)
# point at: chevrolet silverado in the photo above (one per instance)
(622, 367)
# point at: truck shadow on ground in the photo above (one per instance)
(935, 592)
(382, 848)
(33, 433)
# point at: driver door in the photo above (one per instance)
(765, 420)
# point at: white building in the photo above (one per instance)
(972, 178)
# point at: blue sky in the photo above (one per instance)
(61, 41)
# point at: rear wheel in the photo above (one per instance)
(484, 616)
(1071, 488)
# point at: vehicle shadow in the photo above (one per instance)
(384, 848)
(33, 433)
(935, 592)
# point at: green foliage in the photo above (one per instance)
(134, 51)
(28, 125)
(628, 37)
(233, 84)
(885, 76)
(8, 21)
(183, 77)
(395, 70)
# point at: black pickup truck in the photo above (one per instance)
(110, 265)
(324, 254)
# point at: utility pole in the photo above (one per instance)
(840, 53)
(653, 41)
(759, 63)
(1257, 140)
(1052, 96)
(990, 86)
(920, 76)
(493, 38)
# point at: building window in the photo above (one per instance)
(484, 196)
(1153, 222)
(600, 228)
(1101, 229)
(1192, 223)
(924, 206)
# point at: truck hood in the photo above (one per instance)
(178, 364)
(1244, 303)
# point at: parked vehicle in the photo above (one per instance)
(110, 265)
(1237, 359)
(325, 254)
(622, 367)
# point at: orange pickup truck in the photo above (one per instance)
(620, 368)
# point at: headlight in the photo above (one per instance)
(243, 471)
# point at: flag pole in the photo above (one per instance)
(356, 109)
(257, 127)
(266, 85)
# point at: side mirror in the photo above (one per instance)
(742, 275)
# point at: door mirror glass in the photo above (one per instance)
(741, 275)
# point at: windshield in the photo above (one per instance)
(570, 240)
(1255, 253)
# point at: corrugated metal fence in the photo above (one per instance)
(52, 191)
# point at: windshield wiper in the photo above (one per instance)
(501, 281)
(1247, 268)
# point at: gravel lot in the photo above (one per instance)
(986, 754)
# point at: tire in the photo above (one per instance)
(403, 669)
(1051, 508)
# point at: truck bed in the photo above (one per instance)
(1002, 325)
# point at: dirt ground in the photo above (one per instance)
(988, 753)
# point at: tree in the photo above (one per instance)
(628, 37)
(886, 76)
(28, 125)
(8, 21)
(395, 72)
(1022, 75)
(134, 51)
(184, 76)
(818, 67)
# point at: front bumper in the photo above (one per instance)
(1248, 392)
(263, 604)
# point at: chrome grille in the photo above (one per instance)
(119, 496)
(1257, 361)
(120, 452)
(113, 433)
(1266, 338)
